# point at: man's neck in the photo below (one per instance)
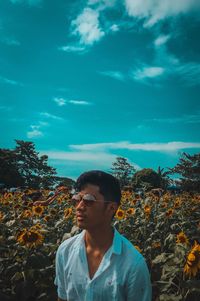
(99, 239)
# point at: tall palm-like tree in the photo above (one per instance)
(164, 177)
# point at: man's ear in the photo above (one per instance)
(113, 207)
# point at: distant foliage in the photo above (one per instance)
(146, 178)
(24, 167)
(188, 169)
(123, 171)
(9, 173)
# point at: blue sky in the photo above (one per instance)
(87, 81)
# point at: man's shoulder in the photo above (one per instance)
(129, 250)
(69, 243)
(133, 260)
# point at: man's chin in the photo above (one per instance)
(81, 225)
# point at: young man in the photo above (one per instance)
(99, 264)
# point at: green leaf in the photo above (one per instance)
(162, 258)
(167, 297)
(191, 284)
(38, 261)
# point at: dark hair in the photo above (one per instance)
(108, 185)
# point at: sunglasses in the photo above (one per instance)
(87, 199)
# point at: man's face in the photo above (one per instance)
(95, 214)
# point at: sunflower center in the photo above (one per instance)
(31, 237)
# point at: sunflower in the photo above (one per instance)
(147, 209)
(30, 238)
(134, 201)
(38, 210)
(119, 214)
(169, 212)
(137, 196)
(27, 213)
(67, 213)
(181, 238)
(1, 216)
(17, 206)
(138, 249)
(177, 203)
(52, 211)
(130, 211)
(37, 226)
(8, 195)
(193, 261)
(47, 218)
(156, 245)
(6, 203)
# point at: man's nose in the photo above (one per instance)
(80, 204)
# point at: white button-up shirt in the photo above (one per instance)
(121, 276)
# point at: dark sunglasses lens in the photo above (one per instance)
(88, 203)
(87, 199)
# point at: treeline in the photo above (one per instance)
(187, 172)
(24, 167)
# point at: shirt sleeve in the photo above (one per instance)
(139, 284)
(59, 279)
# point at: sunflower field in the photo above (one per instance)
(165, 229)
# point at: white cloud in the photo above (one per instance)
(114, 28)
(114, 74)
(43, 123)
(99, 154)
(79, 102)
(9, 81)
(92, 24)
(188, 72)
(87, 26)
(10, 41)
(60, 101)
(148, 72)
(161, 40)
(91, 2)
(47, 115)
(35, 127)
(77, 49)
(101, 4)
(35, 133)
(81, 156)
(154, 10)
(98, 159)
(160, 147)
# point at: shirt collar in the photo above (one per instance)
(116, 245)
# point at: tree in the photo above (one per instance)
(146, 178)
(64, 181)
(24, 167)
(189, 170)
(32, 167)
(123, 171)
(164, 177)
(9, 174)
(46, 174)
